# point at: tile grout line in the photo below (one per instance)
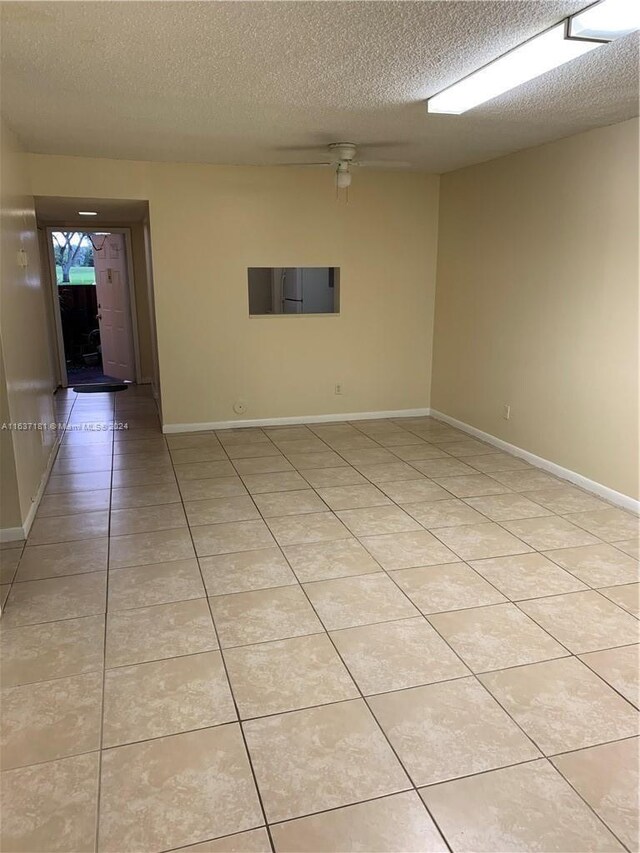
(373, 716)
(24, 544)
(516, 603)
(419, 613)
(542, 753)
(357, 687)
(228, 679)
(570, 653)
(495, 698)
(586, 802)
(484, 579)
(419, 616)
(472, 673)
(115, 746)
(104, 648)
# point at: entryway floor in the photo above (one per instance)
(375, 636)
(88, 376)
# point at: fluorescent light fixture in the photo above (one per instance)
(87, 213)
(525, 62)
(606, 20)
(102, 233)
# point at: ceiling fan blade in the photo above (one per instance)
(319, 147)
(383, 164)
(325, 163)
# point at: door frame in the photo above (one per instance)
(133, 314)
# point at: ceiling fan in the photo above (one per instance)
(342, 156)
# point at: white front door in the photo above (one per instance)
(114, 313)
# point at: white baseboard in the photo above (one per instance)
(614, 497)
(11, 534)
(15, 534)
(302, 419)
(617, 498)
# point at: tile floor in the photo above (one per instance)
(368, 636)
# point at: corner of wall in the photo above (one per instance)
(537, 302)
(27, 381)
(434, 303)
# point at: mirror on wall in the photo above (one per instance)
(294, 290)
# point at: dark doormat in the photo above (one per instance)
(102, 388)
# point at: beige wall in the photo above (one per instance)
(153, 336)
(208, 224)
(25, 339)
(9, 496)
(143, 311)
(537, 302)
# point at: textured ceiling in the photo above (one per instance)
(246, 82)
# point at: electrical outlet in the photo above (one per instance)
(506, 412)
(338, 389)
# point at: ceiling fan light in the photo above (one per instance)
(343, 178)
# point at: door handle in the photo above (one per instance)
(98, 316)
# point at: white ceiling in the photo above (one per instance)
(244, 82)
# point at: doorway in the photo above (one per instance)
(94, 305)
